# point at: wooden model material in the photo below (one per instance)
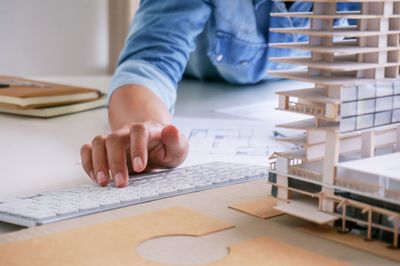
(355, 105)
(378, 248)
(118, 240)
(263, 208)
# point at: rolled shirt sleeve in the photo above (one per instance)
(142, 73)
(161, 37)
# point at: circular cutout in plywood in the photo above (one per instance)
(182, 250)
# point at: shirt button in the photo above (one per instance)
(219, 57)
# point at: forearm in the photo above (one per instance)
(135, 103)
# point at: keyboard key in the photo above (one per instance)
(149, 196)
(108, 202)
(167, 191)
(185, 187)
(88, 206)
(65, 211)
(203, 185)
(130, 198)
(41, 215)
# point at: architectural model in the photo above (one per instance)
(348, 169)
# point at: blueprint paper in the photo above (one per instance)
(264, 111)
(241, 141)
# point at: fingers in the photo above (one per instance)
(149, 145)
(99, 159)
(86, 159)
(139, 141)
(176, 146)
(116, 146)
(106, 154)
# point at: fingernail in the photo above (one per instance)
(101, 177)
(137, 164)
(91, 174)
(119, 180)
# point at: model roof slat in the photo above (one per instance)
(338, 15)
(337, 32)
(332, 66)
(338, 1)
(333, 80)
(296, 140)
(312, 94)
(321, 116)
(307, 124)
(348, 47)
(294, 154)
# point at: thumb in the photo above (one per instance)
(176, 145)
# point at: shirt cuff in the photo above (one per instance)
(142, 73)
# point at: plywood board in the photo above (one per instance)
(111, 243)
(261, 207)
(375, 247)
(257, 251)
(114, 243)
(266, 251)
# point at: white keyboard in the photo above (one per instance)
(57, 205)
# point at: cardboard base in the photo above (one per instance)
(262, 207)
(111, 243)
(375, 247)
(115, 243)
(266, 251)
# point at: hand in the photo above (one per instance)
(136, 148)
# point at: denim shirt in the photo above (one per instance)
(206, 39)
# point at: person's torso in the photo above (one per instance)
(234, 44)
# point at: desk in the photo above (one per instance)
(39, 154)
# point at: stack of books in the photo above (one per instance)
(42, 99)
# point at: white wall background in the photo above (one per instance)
(53, 37)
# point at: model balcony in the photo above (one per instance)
(310, 109)
(359, 186)
(297, 165)
(314, 102)
(305, 173)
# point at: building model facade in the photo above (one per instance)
(348, 169)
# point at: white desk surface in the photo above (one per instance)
(40, 154)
